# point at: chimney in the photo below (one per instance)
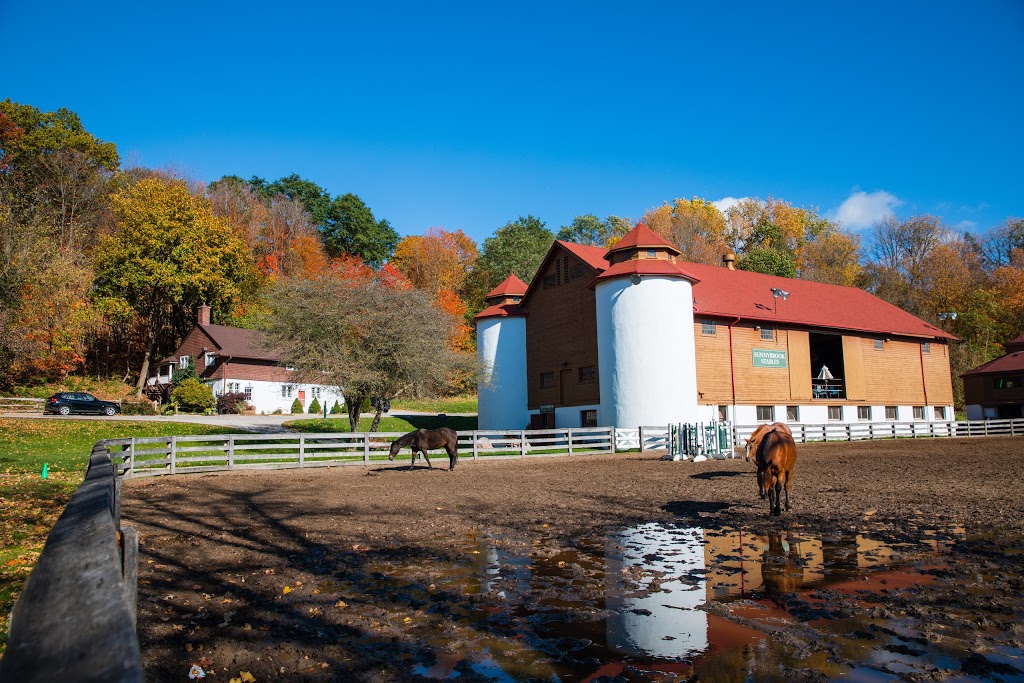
(204, 315)
(729, 260)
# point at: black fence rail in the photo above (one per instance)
(75, 618)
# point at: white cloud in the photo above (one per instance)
(726, 203)
(862, 209)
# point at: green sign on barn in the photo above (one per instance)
(769, 358)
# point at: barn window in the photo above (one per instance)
(588, 418)
(707, 327)
(918, 412)
(766, 413)
(926, 347)
(547, 380)
(835, 413)
(792, 413)
(879, 344)
(651, 253)
(767, 333)
(587, 374)
(890, 413)
(940, 412)
(864, 413)
(723, 414)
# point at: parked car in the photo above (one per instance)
(67, 402)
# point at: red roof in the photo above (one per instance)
(731, 293)
(1015, 344)
(510, 286)
(642, 237)
(1011, 362)
(237, 342)
(592, 256)
(645, 267)
(500, 311)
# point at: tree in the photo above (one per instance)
(833, 259)
(350, 228)
(695, 225)
(898, 252)
(367, 340)
(168, 255)
(999, 244)
(437, 260)
(768, 261)
(590, 230)
(315, 198)
(518, 247)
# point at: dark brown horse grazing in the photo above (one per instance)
(776, 457)
(423, 440)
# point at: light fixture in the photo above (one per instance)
(776, 292)
(951, 315)
(757, 327)
(634, 278)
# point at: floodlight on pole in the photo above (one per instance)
(779, 294)
(951, 315)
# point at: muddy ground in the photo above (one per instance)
(505, 570)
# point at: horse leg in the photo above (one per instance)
(427, 458)
(453, 457)
(789, 478)
(777, 510)
(412, 463)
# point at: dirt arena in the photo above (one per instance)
(499, 570)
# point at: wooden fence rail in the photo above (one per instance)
(75, 617)
(21, 405)
(156, 455)
(860, 431)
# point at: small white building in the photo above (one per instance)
(233, 360)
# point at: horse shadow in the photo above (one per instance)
(694, 508)
(717, 475)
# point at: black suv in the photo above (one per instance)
(67, 402)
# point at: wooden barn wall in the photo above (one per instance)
(892, 376)
(561, 335)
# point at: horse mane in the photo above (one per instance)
(762, 448)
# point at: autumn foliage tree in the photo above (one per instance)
(436, 260)
(167, 255)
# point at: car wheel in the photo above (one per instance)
(64, 410)
(110, 410)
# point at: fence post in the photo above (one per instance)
(475, 448)
(302, 450)
(611, 439)
(849, 432)
(570, 440)
(641, 438)
(913, 429)
(522, 443)
(174, 452)
(366, 447)
(231, 452)
(130, 569)
(130, 470)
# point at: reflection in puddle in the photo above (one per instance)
(660, 602)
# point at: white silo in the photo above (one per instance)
(501, 350)
(646, 352)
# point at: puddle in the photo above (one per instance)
(667, 602)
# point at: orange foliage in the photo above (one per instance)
(462, 334)
(437, 260)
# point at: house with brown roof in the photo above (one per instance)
(634, 335)
(995, 390)
(236, 360)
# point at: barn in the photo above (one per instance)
(633, 335)
(996, 389)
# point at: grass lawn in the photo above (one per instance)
(453, 404)
(30, 505)
(339, 423)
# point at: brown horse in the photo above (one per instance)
(423, 440)
(776, 458)
(751, 444)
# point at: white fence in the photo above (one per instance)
(150, 456)
(861, 431)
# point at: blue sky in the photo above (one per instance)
(467, 115)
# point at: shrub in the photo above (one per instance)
(142, 406)
(180, 375)
(232, 403)
(193, 396)
(336, 409)
(314, 407)
(297, 407)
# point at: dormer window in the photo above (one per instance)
(651, 253)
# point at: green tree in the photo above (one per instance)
(768, 261)
(590, 230)
(193, 396)
(168, 255)
(315, 198)
(518, 247)
(351, 228)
